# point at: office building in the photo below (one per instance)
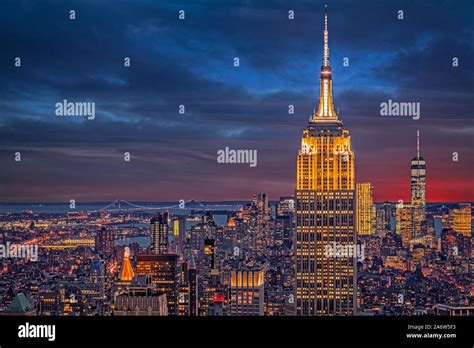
(164, 274)
(325, 208)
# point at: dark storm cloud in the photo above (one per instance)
(190, 62)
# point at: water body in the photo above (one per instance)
(142, 241)
(63, 207)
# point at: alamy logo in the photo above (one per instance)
(37, 331)
(67, 108)
(18, 251)
(356, 251)
(393, 108)
(237, 156)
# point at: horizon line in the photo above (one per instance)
(195, 200)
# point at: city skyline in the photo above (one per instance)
(206, 166)
(190, 63)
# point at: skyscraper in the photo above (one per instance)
(159, 234)
(104, 242)
(164, 273)
(210, 253)
(184, 290)
(325, 194)
(365, 209)
(193, 292)
(405, 222)
(207, 266)
(418, 189)
(418, 176)
(179, 232)
(188, 292)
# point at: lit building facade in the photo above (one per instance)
(383, 218)
(179, 233)
(188, 292)
(184, 290)
(460, 219)
(247, 293)
(49, 301)
(210, 253)
(365, 209)
(285, 206)
(418, 188)
(405, 222)
(164, 272)
(104, 242)
(159, 234)
(418, 176)
(325, 209)
(454, 310)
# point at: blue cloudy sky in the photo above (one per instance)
(190, 62)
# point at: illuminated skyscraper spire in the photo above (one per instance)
(326, 41)
(418, 175)
(325, 209)
(418, 144)
(325, 111)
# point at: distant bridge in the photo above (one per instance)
(120, 205)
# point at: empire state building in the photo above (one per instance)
(325, 216)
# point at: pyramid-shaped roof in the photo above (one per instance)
(20, 304)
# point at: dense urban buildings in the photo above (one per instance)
(229, 273)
